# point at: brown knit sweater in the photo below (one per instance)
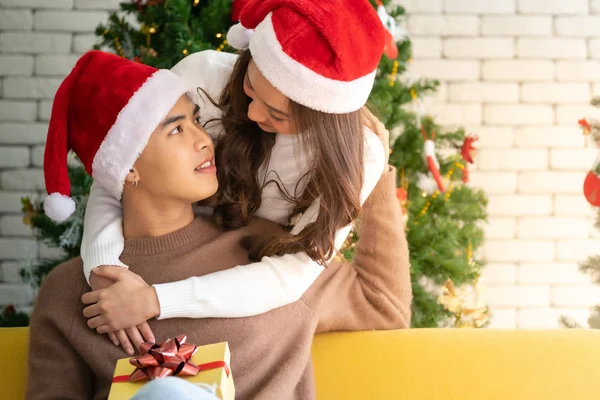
(270, 352)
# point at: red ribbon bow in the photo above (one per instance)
(172, 357)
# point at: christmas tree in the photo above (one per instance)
(592, 265)
(443, 214)
(591, 191)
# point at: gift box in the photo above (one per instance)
(207, 366)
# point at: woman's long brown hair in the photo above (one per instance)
(335, 143)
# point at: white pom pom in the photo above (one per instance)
(58, 207)
(238, 37)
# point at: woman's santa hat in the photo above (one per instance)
(105, 111)
(321, 54)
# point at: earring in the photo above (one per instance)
(135, 184)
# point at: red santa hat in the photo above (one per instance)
(321, 54)
(105, 111)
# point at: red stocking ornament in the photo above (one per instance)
(432, 162)
(591, 185)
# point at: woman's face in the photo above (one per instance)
(269, 107)
(178, 161)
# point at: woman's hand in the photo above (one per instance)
(98, 282)
(373, 123)
(122, 302)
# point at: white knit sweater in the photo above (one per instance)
(245, 290)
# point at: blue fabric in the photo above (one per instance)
(173, 388)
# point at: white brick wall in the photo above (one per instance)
(16, 20)
(577, 71)
(479, 6)
(446, 25)
(478, 92)
(519, 74)
(553, 7)
(517, 70)
(479, 48)
(516, 25)
(40, 41)
(68, 20)
(553, 48)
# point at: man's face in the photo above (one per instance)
(178, 161)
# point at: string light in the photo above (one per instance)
(437, 192)
(185, 52)
(470, 253)
(196, 2)
(219, 35)
(222, 46)
(426, 207)
(119, 48)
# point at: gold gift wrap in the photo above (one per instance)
(213, 361)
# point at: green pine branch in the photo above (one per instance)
(12, 318)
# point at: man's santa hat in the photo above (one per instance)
(321, 54)
(105, 111)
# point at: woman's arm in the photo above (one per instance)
(242, 291)
(374, 291)
(102, 242)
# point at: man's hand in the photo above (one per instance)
(374, 124)
(122, 302)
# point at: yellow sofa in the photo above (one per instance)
(448, 364)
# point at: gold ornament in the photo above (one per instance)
(29, 211)
(148, 31)
(145, 51)
(455, 300)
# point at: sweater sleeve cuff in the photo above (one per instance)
(176, 299)
(101, 254)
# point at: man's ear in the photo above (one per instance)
(133, 176)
